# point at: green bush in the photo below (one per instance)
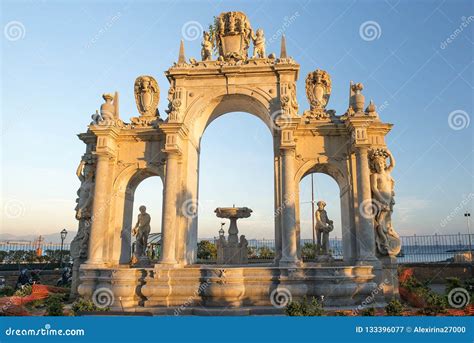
(251, 252)
(305, 308)
(265, 252)
(369, 311)
(7, 291)
(206, 250)
(453, 282)
(54, 305)
(23, 291)
(435, 304)
(308, 251)
(394, 308)
(83, 305)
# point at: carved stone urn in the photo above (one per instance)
(358, 99)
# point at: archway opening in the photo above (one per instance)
(315, 187)
(237, 168)
(149, 193)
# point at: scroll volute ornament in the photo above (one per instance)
(318, 89)
(147, 95)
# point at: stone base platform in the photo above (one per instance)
(227, 290)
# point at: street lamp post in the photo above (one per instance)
(468, 217)
(63, 237)
(221, 231)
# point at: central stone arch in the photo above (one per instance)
(199, 95)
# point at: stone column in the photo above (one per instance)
(289, 235)
(100, 209)
(365, 228)
(277, 212)
(170, 196)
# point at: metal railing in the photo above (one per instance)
(416, 248)
(31, 246)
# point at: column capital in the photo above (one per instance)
(172, 152)
(361, 149)
(288, 149)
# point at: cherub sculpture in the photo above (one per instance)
(259, 44)
(207, 46)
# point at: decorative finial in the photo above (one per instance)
(283, 47)
(357, 98)
(116, 104)
(181, 57)
(371, 109)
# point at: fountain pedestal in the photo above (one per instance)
(232, 251)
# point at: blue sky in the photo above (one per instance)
(68, 53)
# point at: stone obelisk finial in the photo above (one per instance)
(283, 47)
(181, 58)
(116, 104)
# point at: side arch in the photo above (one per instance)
(125, 185)
(340, 173)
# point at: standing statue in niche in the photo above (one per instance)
(141, 231)
(382, 184)
(323, 227)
